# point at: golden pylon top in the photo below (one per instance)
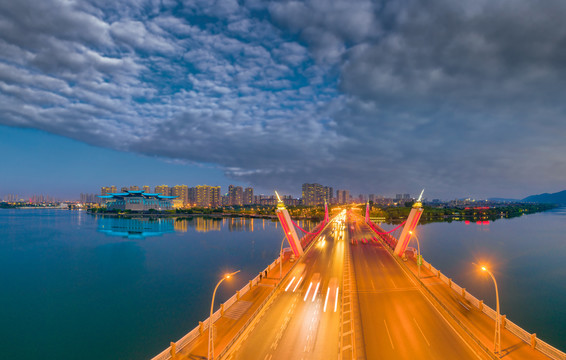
(418, 203)
(280, 204)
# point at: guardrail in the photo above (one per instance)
(529, 338)
(204, 325)
(525, 336)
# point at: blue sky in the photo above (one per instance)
(373, 96)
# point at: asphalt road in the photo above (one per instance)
(296, 326)
(398, 321)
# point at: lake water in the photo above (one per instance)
(76, 286)
(80, 286)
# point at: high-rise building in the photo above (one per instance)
(236, 195)
(316, 194)
(134, 188)
(146, 189)
(124, 189)
(342, 196)
(163, 190)
(182, 193)
(215, 197)
(248, 196)
(108, 190)
(205, 196)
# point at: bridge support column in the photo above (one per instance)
(288, 228)
(410, 225)
(173, 351)
(533, 340)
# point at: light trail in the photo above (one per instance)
(336, 300)
(308, 290)
(298, 282)
(326, 301)
(315, 291)
(290, 282)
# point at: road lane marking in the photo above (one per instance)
(389, 334)
(421, 330)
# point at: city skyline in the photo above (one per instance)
(365, 96)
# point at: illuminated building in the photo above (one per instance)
(205, 196)
(316, 194)
(181, 192)
(137, 201)
(134, 187)
(342, 196)
(146, 189)
(163, 190)
(236, 195)
(248, 196)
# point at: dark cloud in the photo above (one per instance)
(385, 97)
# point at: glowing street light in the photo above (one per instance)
(210, 323)
(419, 260)
(281, 259)
(497, 339)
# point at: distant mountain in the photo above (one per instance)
(504, 200)
(555, 198)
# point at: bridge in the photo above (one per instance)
(350, 290)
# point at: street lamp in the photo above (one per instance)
(281, 259)
(419, 261)
(497, 339)
(210, 323)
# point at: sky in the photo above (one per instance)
(460, 98)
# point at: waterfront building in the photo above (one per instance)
(163, 190)
(205, 196)
(248, 196)
(137, 201)
(182, 193)
(146, 189)
(134, 187)
(236, 195)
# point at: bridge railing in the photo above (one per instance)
(513, 328)
(193, 334)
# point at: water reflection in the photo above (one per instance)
(138, 228)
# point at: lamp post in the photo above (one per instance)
(497, 339)
(418, 253)
(281, 259)
(210, 323)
